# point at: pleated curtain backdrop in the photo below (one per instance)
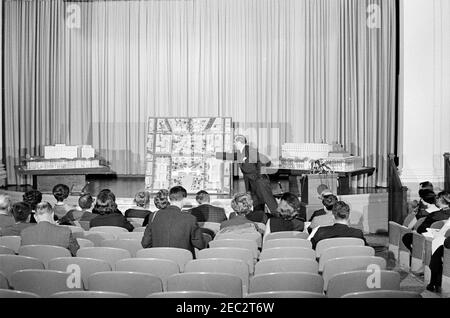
(284, 70)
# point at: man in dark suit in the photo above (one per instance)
(206, 212)
(172, 228)
(22, 213)
(341, 213)
(47, 233)
(250, 163)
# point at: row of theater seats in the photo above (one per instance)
(418, 260)
(291, 267)
(46, 282)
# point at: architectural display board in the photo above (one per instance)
(181, 151)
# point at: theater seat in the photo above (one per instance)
(178, 255)
(8, 293)
(286, 294)
(287, 252)
(383, 294)
(108, 254)
(12, 263)
(187, 294)
(44, 252)
(287, 242)
(283, 265)
(286, 282)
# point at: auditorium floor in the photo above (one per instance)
(409, 281)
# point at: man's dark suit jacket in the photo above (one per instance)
(173, 228)
(209, 213)
(112, 219)
(317, 213)
(440, 215)
(336, 230)
(45, 233)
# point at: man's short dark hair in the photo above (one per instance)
(32, 197)
(427, 196)
(21, 211)
(202, 196)
(292, 200)
(341, 210)
(85, 201)
(177, 193)
(329, 201)
(61, 192)
(241, 139)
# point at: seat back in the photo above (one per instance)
(3, 281)
(287, 252)
(82, 242)
(98, 237)
(353, 263)
(286, 294)
(87, 266)
(229, 252)
(256, 236)
(89, 294)
(240, 243)
(344, 251)
(108, 254)
(162, 268)
(178, 255)
(287, 242)
(284, 265)
(85, 225)
(286, 234)
(130, 235)
(335, 242)
(11, 242)
(357, 281)
(286, 282)
(12, 263)
(41, 282)
(227, 284)
(437, 225)
(108, 229)
(417, 253)
(187, 294)
(44, 252)
(131, 283)
(139, 229)
(6, 250)
(418, 223)
(8, 293)
(383, 294)
(221, 265)
(130, 245)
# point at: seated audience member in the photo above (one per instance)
(86, 204)
(288, 219)
(22, 213)
(443, 203)
(242, 205)
(172, 228)
(6, 219)
(341, 213)
(32, 197)
(107, 212)
(61, 193)
(205, 212)
(161, 201)
(426, 205)
(141, 211)
(436, 267)
(324, 216)
(48, 233)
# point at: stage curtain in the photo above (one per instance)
(284, 70)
